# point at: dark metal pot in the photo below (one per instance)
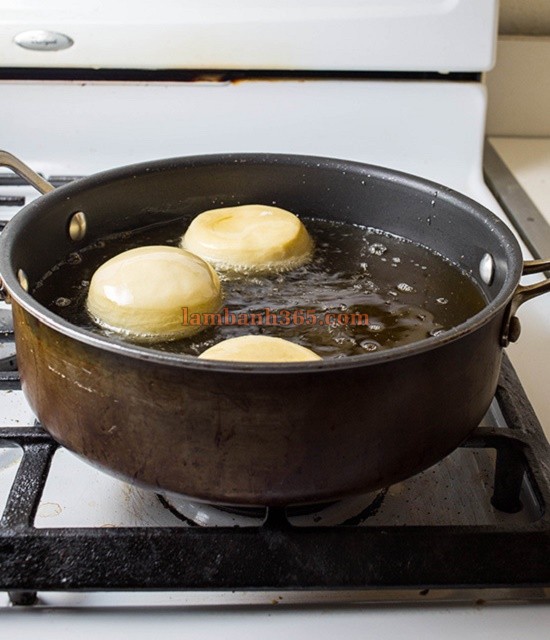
(269, 434)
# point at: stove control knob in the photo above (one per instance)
(39, 40)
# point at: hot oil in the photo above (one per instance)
(409, 292)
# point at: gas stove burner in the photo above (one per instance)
(349, 511)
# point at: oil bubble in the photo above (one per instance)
(404, 287)
(377, 249)
(74, 258)
(369, 345)
(376, 326)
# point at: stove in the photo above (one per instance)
(387, 83)
(447, 528)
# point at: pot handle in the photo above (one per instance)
(38, 182)
(511, 326)
(21, 169)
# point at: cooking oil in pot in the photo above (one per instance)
(364, 290)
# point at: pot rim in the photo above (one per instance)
(149, 354)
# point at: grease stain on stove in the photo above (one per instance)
(396, 489)
(49, 510)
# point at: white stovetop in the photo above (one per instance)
(529, 160)
(363, 121)
(479, 622)
(80, 128)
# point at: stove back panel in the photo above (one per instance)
(394, 35)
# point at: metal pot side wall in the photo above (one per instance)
(258, 438)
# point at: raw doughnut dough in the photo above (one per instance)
(251, 237)
(259, 349)
(141, 292)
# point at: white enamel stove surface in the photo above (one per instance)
(431, 129)
(78, 128)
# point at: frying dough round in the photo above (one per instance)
(142, 292)
(259, 349)
(252, 237)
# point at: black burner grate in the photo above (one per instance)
(278, 556)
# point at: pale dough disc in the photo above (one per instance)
(259, 349)
(251, 237)
(142, 292)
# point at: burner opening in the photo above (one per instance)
(486, 481)
(349, 511)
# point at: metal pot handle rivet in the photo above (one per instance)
(77, 222)
(487, 268)
(23, 279)
(77, 226)
(511, 327)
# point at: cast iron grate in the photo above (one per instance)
(278, 556)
